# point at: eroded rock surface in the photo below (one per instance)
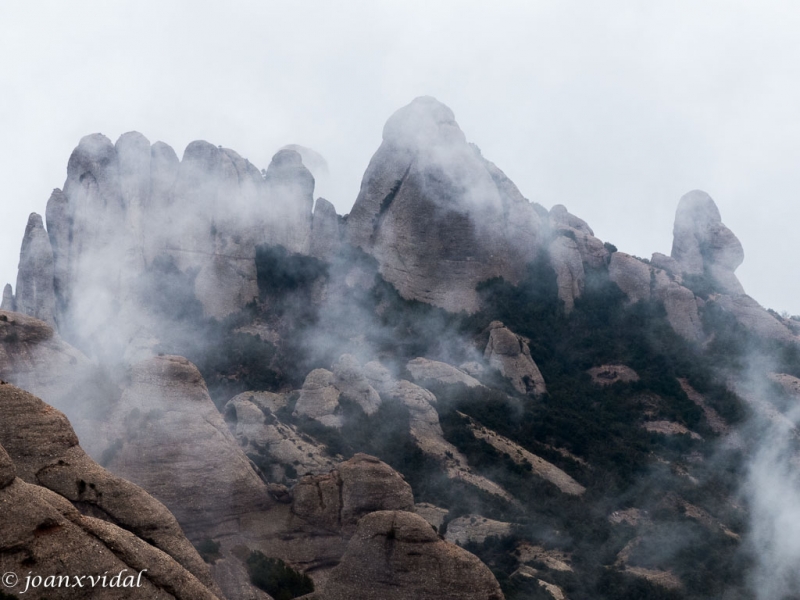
(46, 456)
(415, 563)
(425, 372)
(35, 293)
(166, 418)
(642, 282)
(436, 215)
(509, 353)
(358, 486)
(702, 244)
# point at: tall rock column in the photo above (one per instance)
(702, 244)
(35, 293)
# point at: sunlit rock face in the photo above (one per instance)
(436, 215)
(703, 244)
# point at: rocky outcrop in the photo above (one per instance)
(434, 515)
(322, 390)
(350, 380)
(319, 399)
(426, 372)
(131, 209)
(261, 433)
(475, 529)
(45, 452)
(35, 294)
(643, 282)
(325, 234)
(572, 246)
(437, 216)
(509, 353)
(610, 374)
(537, 465)
(756, 318)
(290, 188)
(166, 418)
(8, 298)
(34, 358)
(703, 245)
(357, 487)
(415, 563)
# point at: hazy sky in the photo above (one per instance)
(614, 109)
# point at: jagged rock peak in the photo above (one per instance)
(437, 216)
(702, 244)
(35, 293)
(8, 298)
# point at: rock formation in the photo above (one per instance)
(35, 294)
(165, 417)
(475, 529)
(322, 389)
(572, 246)
(357, 487)
(260, 432)
(437, 216)
(509, 353)
(8, 299)
(415, 563)
(46, 456)
(325, 234)
(426, 371)
(642, 282)
(703, 245)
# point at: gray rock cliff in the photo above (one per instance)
(35, 293)
(437, 216)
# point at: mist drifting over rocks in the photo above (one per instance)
(292, 384)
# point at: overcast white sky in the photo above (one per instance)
(614, 108)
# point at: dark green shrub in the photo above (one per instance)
(208, 550)
(277, 578)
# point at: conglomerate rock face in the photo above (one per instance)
(56, 480)
(415, 563)
(35, 293)
(702, 243)
(131, 210)
(509, 353)
(436, 215)
(165, 417)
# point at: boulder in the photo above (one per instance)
(436, 215)
(35, 293)
(426, 372)
(415, 563)
(509, 353)
(319, 399)
(702, 244)
(357, 487)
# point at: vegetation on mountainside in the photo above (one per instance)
(594, 433)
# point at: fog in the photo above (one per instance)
(614, 112)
